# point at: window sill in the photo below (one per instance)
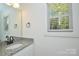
(61, 30)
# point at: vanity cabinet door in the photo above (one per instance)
(28, 51)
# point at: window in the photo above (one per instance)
(59, 17)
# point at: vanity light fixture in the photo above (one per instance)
(9, 4)
(15, 5)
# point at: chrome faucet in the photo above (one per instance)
(9, 40)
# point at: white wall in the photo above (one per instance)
(60, 43)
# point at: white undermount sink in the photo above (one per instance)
(14, 46)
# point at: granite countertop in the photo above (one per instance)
(18, 40)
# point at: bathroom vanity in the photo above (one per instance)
(20, 47)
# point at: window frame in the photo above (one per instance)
(61, 30)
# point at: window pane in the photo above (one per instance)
(64, 22)
(54, 23)
(58, 7)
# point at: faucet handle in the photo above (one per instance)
(8, 38)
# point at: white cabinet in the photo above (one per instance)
(28, 51)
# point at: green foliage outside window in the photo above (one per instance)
(64, 22)
(54, 23)
(58, 10)
(59, 7)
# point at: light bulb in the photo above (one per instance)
(16, 5)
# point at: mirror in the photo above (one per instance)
(10, 21)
